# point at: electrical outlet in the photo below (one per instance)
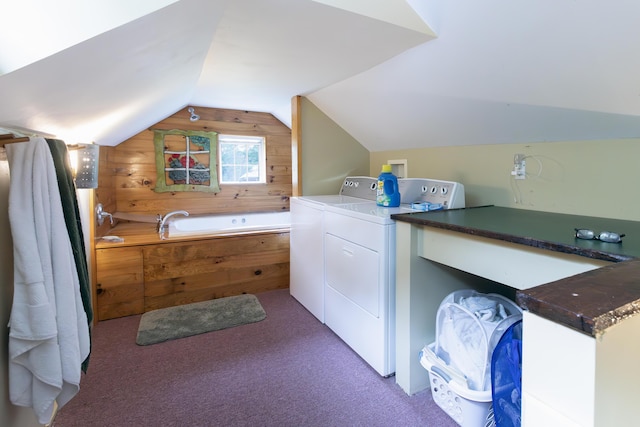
(519, 164)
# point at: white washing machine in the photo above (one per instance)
(343, 261)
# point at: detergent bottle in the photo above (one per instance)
(387, 193)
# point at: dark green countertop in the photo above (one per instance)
(544, 230)
(588, 302)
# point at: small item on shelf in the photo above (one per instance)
(113, 239)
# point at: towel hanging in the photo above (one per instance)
(48, 328)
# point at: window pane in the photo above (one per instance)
(241, 155)
(242, 158)
(254, 154)
(241, 173)
(227, 174)
(226, 153)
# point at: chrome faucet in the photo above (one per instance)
(101, 214)
(163, 219)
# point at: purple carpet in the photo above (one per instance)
(287, 370)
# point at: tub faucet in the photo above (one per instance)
(163, 219)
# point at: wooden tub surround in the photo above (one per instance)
(145, 273)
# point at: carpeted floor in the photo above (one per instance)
(287, 370)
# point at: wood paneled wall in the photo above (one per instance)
(131, 170)
(183, 273)
(106, 191)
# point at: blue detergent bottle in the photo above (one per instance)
(387, 193)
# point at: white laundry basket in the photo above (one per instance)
(468, 327)
(468, 408)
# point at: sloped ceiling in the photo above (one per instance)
(392, 73)
(265, 52)
(501, 72)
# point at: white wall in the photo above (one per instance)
(593, 178)
(329, 154)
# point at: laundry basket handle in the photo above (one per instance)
(441, 373)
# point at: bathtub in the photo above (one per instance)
(228, 223)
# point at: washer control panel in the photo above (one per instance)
(363, 187)
(449, 194)
(412, 190)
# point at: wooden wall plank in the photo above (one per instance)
(231, 278)
(105, 193)
(205, 205)
(181, 273)
(231, 245)
(255, 263)
(120, 282)
(153, 303)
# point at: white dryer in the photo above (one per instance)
(306, 282)
(343, 261)
(360, 267)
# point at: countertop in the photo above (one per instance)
(590, 302)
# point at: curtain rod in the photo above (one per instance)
(10, 139)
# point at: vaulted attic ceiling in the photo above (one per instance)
(497, 72)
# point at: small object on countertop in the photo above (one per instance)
(604, 236)
(113, 239)
(426, 206)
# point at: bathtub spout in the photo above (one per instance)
(163, 219)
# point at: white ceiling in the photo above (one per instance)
(497, 72)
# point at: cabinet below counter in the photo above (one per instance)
(580, 300)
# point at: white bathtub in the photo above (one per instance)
(228, 223)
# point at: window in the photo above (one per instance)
(242, 159)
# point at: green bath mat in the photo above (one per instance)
(192, 319)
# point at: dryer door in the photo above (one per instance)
(353, 270)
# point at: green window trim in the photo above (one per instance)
(188, 168)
